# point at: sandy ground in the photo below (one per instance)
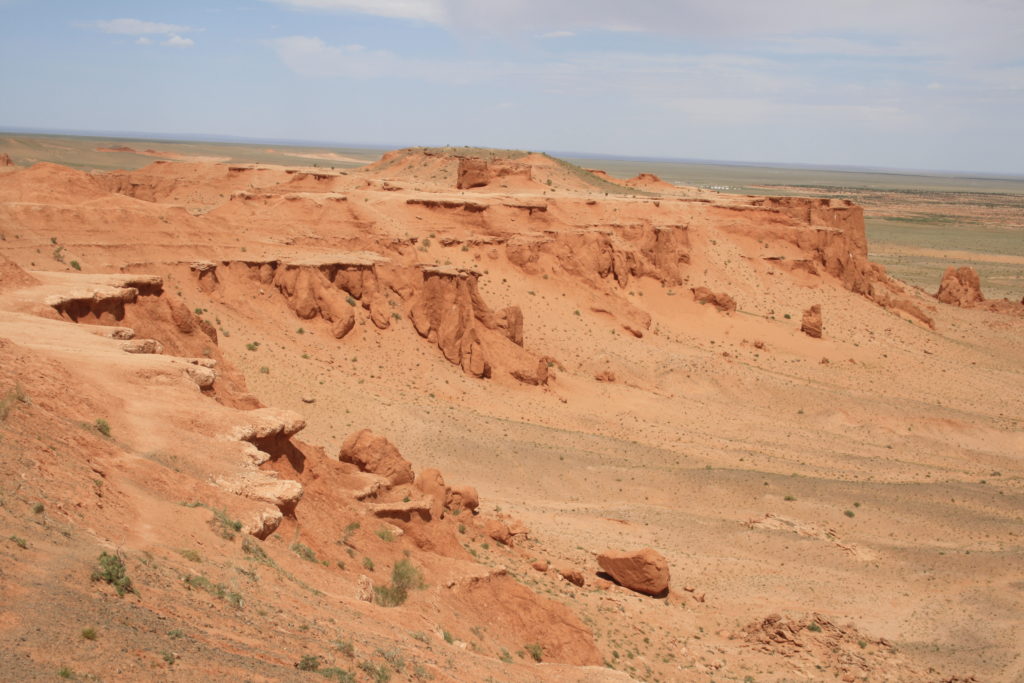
(868, 483)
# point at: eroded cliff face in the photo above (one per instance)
(450, 312)
(444, 305)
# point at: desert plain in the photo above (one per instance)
(802, 389)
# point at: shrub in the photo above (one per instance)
(252, 548)
(308, 663)
(368, 564)
(536, 651)
(848, 513)
(89, 633)
(224, 525)
(814, 627)
(38, 508)
(103, 427)
(217, 590)
(345, 647)
(379, 673)
(336, 674)
(264, 370)
(76, 265)
(404, 577)
(386, 534)
(304, 551)
(20, 542)
(112, 571)
(252, 346)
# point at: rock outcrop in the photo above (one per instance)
(960, 287)
(375, 454)
(721, 300)
(5, 160)
(644, 571)
(450, 312)
(811, 322)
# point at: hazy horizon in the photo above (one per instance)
(931, 86)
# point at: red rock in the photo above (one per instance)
(960, 287)
(540, 565)
(462, 498)
(570, 574)
(375, 454)
(431, 482)
(5, 160)
(811, 323)
(498, 531)
(644, 571)
(721, 301)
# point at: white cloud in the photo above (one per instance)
(144, 29)
(137, 27)
(432, 11)
(558, 34)
(177, 41)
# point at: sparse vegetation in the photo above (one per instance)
(404, 577)
(378, 673)
(20, 542)
(217, 590)
(304, 551)
(111, 570)
(89, 633)
(225, 527)
(536, 651)
(309, 663)
(76, 265)
(345, 647)
(103, 427)
(385, 534)
(368, 564)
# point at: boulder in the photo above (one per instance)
(644, 571)
(431, 482)
(721, 300)
(498, 531)
(462, 498)
(540, 565)
(570, 574)
(960, 287)
(811, 323)
(375, 454)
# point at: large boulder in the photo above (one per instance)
(462, 498)
(811, 323)
(375, 454)
(644, 571)
(960, 287)
(431, 482)
(721, 300)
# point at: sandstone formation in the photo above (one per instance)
(373, 453)
(960, 287)
(5, 160)
(810, 324)
(644, 571)
(721, 301)
(450, 312)
(462, 498)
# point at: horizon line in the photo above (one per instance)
(242, 140)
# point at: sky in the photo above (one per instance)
(907, 84)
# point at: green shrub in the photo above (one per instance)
(345, 647)
(89, 633)
(217, 590)
(76, 265)
(224, 525)
(112, 571)
(103, 427)
(304, 551)
(379, 673)
(20, 542)
(309, 663)
(536, 651)
(385, 534)
(404, 577)
(333, 673)
(255, 551)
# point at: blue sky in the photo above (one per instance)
(894, 83)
